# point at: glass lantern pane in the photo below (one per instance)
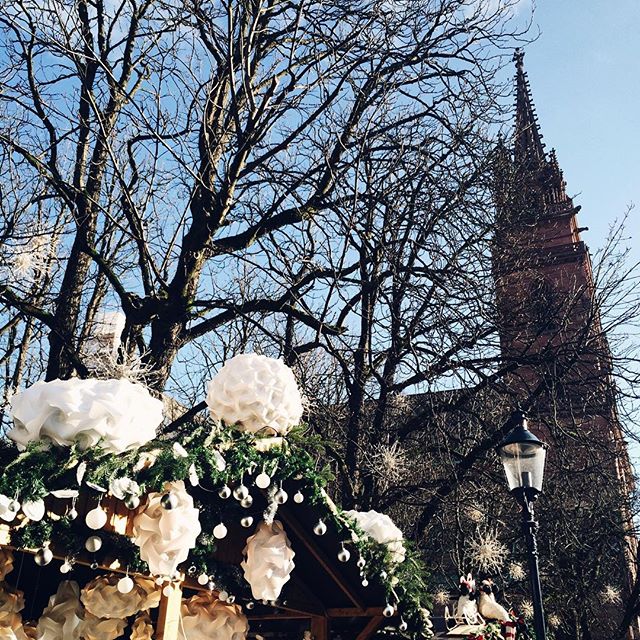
(524, 464)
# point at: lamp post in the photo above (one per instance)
(523, 457)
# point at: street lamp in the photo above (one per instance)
(523, 457)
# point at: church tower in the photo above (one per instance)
(551, 335)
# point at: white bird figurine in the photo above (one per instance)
(466, 607)
(488, 607)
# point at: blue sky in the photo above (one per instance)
(584, 71)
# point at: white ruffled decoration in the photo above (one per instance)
(122, 487)
(11, 603)
(93, 628)
(380, 527)
(62, 619)
(257, 394)
(102, 599)
(206, 618)
(11, 600)
(118, 414)
(6, 513)
(166, 535)
(269, 561)
(142, 629)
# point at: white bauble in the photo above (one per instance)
(268, 561)
(380, 527)
(204, 617)
(166, 535)
(62, 619)
(257, 394)
(103, 599)
(118, 414)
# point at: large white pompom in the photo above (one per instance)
(166, 535)
(62, 619)
(118, 414)
(256, 394)
(269, 561)
(102, 599)
(380, 527)
(206, 618)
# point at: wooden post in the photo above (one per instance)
(169, 613)
(319, 628)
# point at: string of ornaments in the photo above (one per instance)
(117, 420)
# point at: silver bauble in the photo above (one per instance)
(224, 492)
(93, 544)
(169, 501)
(246, 522)
(43, 556)
(240, 492)
(320, 529)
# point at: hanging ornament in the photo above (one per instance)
(250, 605)
(224, 492)
(262, 480)
(388, 611)
(116, 415)
(34, 510)
(93, 544)
(167, 591)
(246, 502)
(281, 496)
(169, 501)
(365, 582)
(320, 528)
(66, 566)
(403, 626)
(43, 556)
(220, 531)
(125, 585)
(205, 617)
(240, 492)
(72, 514)
(361, 563)
(268, 561)
(298, 497)
(343, 554)
(223, 596)
(246, 522)
(381, 528)
(132, 502)
(96, 518)
(203, 578)
(166, 536)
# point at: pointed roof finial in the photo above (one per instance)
(528, 144)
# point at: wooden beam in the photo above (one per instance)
(169, 614)
(319, 628)
(350, 612)
(302, 534)
(372, 626)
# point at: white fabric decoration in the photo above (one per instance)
(204, 617)
(142, 629)
(166, 535)
(93, 628)
(6, 562)
(257, 394)
(118, 414)
(269, 561)
(102, 599)
(5, 513)
(122, 487)
(34, 510)
(380, 527)
(61, 620)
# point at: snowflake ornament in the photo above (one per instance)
(611, 595)
(516, 571)
(487, 552)
(389, 463)
(526, 608)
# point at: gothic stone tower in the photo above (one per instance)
(550, 330)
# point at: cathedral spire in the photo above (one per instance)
(528, 147)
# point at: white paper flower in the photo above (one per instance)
(380, 527)
(6, 512)
(118, 414)
(257, 394)
(268, 561)
(61, 620)
(122, 487)
(142, 628)
(206, 618)
(102, 599)
(166, 535)
(11, 627)
(93, 628)
(34, 509)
